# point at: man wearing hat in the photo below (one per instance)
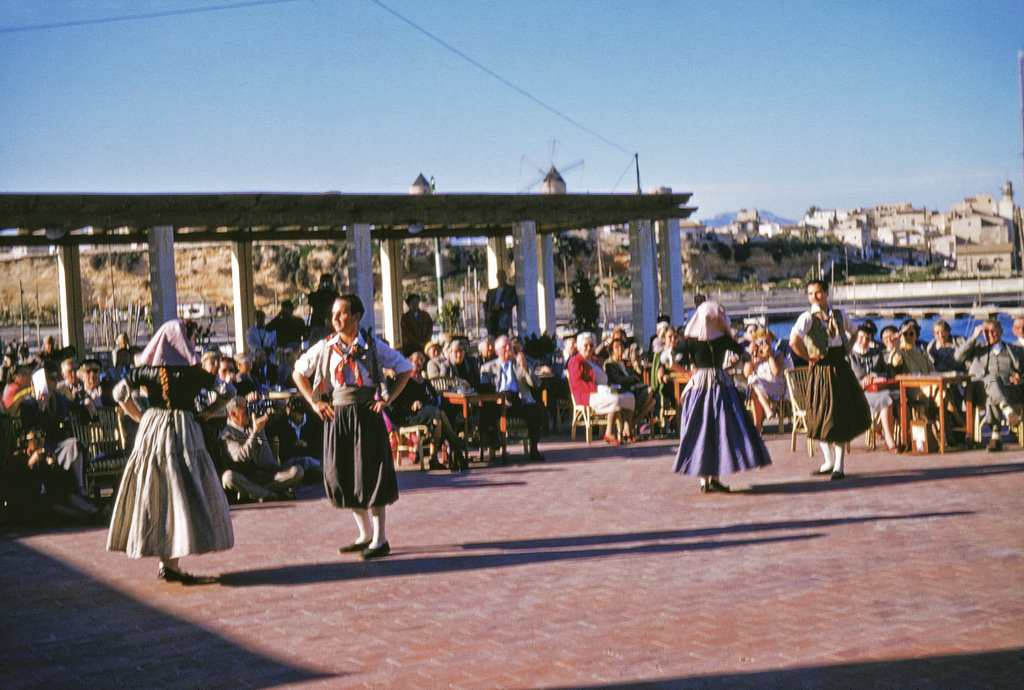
(417, 326)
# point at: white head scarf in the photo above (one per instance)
(708, 322)
(169, 347)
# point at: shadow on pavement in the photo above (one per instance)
(1002, 669)
(590, 540)
(427, 565)
(68, 630)
(872, 479)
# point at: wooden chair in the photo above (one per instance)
(413, 439)
(105, 449)
(584, 416)
(796, 385)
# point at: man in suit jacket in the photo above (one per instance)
(997, 365)
(252, 470)
(417, 326)
(498, 306)
(510, 374)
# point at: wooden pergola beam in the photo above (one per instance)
(36, 219)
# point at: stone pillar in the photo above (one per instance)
(360, 269)
(391, 286)
(670, 269)
(546, 284)
(525, 247)
(69, 281)
(242, 290)
(497, 259)
(162, 285)
(644, 278)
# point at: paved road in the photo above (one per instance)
(598, 568)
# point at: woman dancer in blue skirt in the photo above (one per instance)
(717, 434)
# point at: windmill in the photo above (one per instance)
(551, 178)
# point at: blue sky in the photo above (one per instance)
(773, 105)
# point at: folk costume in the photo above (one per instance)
(717, 435)
(358, 466)
(170, 503)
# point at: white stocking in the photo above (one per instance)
(363, 523)
(840, 450)
(826, 451)
(377, 518)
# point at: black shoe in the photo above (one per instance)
(715, 485)
(820, 472)
(379, 552)
(535, 456)
(354, 546)
(172, 575)
(995, 445)
(836, 476)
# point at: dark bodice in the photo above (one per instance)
(708, 354)
(172, 387)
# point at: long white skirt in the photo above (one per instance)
(171, 502)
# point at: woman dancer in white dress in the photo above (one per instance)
(170, 503)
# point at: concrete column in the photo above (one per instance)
(670, 269)
(360, 269)
(497, 259)
(162, 285)
(69, 280)
(525, 247)
(546, 283)
(391, 285)
(242, 290)
(643, 276)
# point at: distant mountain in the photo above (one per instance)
(723, 219)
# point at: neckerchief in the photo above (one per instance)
(347, 359)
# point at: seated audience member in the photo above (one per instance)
(997, 365)
(907, 357)
(433, 351)
(454, 364)
(485, 350)
(868, 364)
(890, 337)
(509, 373)
(942, 350)
(50, 351)
(245, 385)
(49, 478)
(300, 438)
(661, 375)
(210, 361)
(263, 372)
(286, 327)
(418, 404)
(286, 367)
(622, 374)
(765, 379)
(18, 389)
(1018, 331)
(589, 384)
(92, 386)
(251, 468)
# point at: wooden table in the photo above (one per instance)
(469, 399)
(940, 381)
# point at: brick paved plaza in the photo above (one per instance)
(598, 568)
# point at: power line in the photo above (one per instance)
(148, 15)
(500, 78)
